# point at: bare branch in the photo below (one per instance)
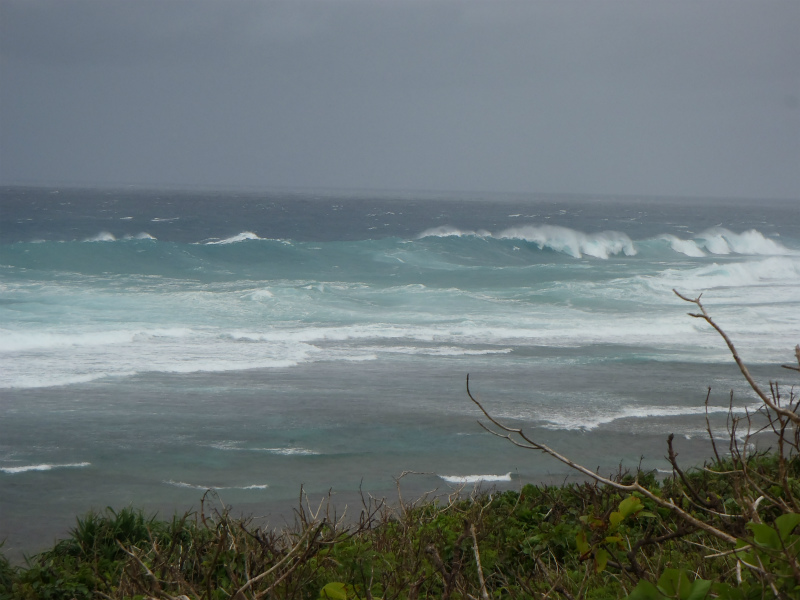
(484, 593)
(634, 487)
(742, 367)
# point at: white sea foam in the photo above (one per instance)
(687, 247)
(103, 236)
(20, 341)
(783, 270)
(575, 420)
(50, 379)
(475, 478)
(443, 351)
(43, 467)
(239, 237)
(183, 484)
(288, 451)
(236, 446)
(719, 240)
(561, 239)
(572, 242)
(448, 231)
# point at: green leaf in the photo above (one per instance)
(674, 583)
(630, 505)
(786, 524)
(580, 541)
(334, 591)
(765, 536)
(645, 590)
(699, 589)
(600, 560)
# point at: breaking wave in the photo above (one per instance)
(43, 467)
(559, 239)
(183, 484)
(475, 478)
(239, 237)
(719, 240)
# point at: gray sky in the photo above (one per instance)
(697, 98)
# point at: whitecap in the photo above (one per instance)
(103, 236)
(687, 247)
(475, 478)
(183, 484)
(719, 240)
(448, 231)
(573, 422)
(572, 242)
(43, 467)
(765, 272)
(239, 237)
(288, 451)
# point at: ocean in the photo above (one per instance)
(158, 343)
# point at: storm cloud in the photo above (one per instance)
(696, 98)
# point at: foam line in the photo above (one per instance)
(239, 237)
(475, 478)
(183, 484)
(42, 467)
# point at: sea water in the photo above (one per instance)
(156, 344)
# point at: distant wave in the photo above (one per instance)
(722, 241)
(572, 242)
(560, 239)
(442, 351)
(448, 231)
(475, 478)
(571, 422)
(719, 240)
(765, 272)
(43, 467)
(239, 237)
(105, 236)
(577, 244)
(183, 484)
(20, 341)
(290, 451)
(687, 247)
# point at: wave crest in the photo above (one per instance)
(475, 478)
(719, 240)
(42, 467)
(572, 242)
(239, 237)
(449, 231)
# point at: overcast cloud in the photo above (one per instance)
(697, 98)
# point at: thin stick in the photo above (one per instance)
(742, 367)
(634, 487)
(484, 593)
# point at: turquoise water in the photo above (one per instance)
(157, 344)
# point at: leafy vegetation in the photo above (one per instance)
(729, 529)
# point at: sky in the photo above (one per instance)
(645, 97)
